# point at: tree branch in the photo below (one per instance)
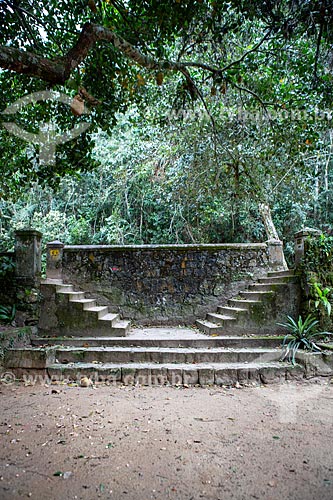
(58, 70)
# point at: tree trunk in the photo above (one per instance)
(270, 228)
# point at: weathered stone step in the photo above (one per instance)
(220, 319)
(63, 288)
(74, 296)
(287, 272)
(279, 279)
(164, 355)
(269, 287)
(112, 317)
(85, 302)
(100, 311)
(178, 374)
(211, 328)
(244, 303)
(218, 341)
(231, 311)
(52, 281)
(260, 295)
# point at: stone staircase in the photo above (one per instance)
(242, 345)
(75, 314)
(156, 359)
(256, 310)
(157, 365)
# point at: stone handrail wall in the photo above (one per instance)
(154, 284)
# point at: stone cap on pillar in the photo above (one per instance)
(307, 231)
(55, 244)
(26, 232)
(273, 242)
(300, 239)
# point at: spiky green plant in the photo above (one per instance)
(7, 314)
(301, 336)
(322, 298)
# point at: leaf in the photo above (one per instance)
(141, 80)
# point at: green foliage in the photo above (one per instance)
(164, 163)
(322, 298)
(319, 252)
(7, 314)
(267, 58)
(302, 335)
(7, 266)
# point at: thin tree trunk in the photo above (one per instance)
(270, 228)
(266, 215)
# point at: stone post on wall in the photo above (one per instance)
(276, 255)
(27, 276)
(55, 250)
(300, 245)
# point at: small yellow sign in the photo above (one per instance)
(54, 253)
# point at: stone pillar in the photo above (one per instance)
(28, 256)
(276, 255)
(55, 250)
(28, 253)
(300, 238)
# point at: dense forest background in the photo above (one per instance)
(176, 156)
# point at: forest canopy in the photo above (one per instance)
(201, 113)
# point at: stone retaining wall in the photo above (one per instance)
(171, 284)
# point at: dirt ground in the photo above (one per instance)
(141, 443)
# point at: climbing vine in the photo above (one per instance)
(317, 278)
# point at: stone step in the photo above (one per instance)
(243, 303)
(158, 355)
(269, 287)
(211, 328)
(278, 279)
(209, 342)
(260, 295)
(287, 272)
(99, 311)
(231, 311)
(63, 288)
(85, 302)
(220, 319)
(121, 327)
(178, 374)
(74, 296)
(112, 317)
(52, 281)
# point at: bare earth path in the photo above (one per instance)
(167, 443)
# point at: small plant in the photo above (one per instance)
(301, 336)
(7, 266)
(7, 314)
(321, 298)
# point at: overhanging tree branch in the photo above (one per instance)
(58, 70)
